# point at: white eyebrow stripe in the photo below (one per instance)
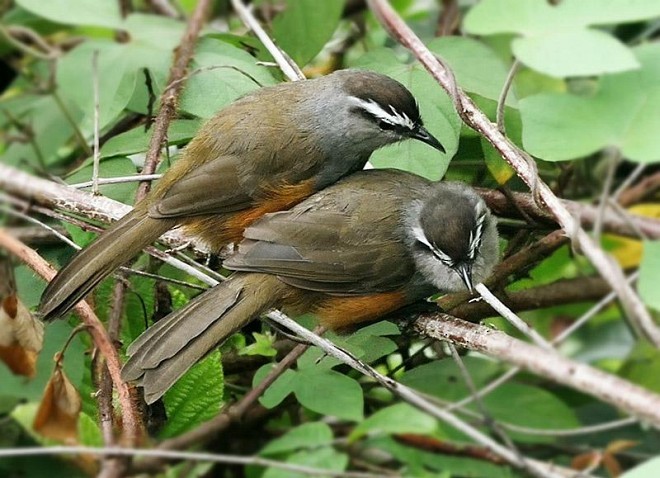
(421, 237)
(398, 118)
(476, 235)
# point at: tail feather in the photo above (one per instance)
(165, 351)
(91, 265)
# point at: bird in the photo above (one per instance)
(265, 152)
(370, 244)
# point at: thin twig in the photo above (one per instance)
(613, 158)
(286, 64)
(181, 455)
(117, 180)
(511, 317)
(97, 108)
(501, 102)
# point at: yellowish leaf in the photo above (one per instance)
(628, 252)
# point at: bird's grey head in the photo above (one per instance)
(375, 111)
(454, 236)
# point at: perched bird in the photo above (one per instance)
(266, 152)
(372, 243)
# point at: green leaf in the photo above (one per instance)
(532, 407)
(443, 379)
(323, 458)
(399, 418)
(223, 74)
(648, 469)
(305, 26)
(575, 53)
(117, 78)
(137, 139)
(196, 397)
(279, 389)
(102, 13)
(556, 38)
(263, 346)
(643, 366)
(649, 274)
(476, 66)
(329, 393)
(437, 112)
(622, 114)
(108, 168)
(51, 132)
(89, 433)
(307, 435)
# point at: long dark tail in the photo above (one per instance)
(91, 265)
(166, 350)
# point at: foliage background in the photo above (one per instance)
(585, 102)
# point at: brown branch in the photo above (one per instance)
(609, 388)
(523, 203)
(170, 97)
(647, 186)
(449, 18)
(569, 291)
(524, 166)
(444, 447)
(132, 430)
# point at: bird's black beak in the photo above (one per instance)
(425, 137)
(465, 271)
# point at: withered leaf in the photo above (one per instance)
(59, 409)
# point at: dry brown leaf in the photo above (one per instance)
(59, 409)
(21, 337)
(587, 461)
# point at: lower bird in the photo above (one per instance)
(374, 242)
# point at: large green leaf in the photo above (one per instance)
(556, 39)
(102, 13)
(119, 67)
(51, 132)
(222, 74)
(476, 66)
(624, 113)
(196, 397)
(329, 393)
(399, 418)
(437, 112)
(305, 26)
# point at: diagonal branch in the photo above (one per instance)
(476, 119)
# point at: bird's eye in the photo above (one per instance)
(384, 125)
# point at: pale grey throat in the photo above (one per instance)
(454, 251)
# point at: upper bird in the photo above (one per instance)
(266, 152)
(364, 247)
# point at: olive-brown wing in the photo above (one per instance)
(326, 251)
(210, 188)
